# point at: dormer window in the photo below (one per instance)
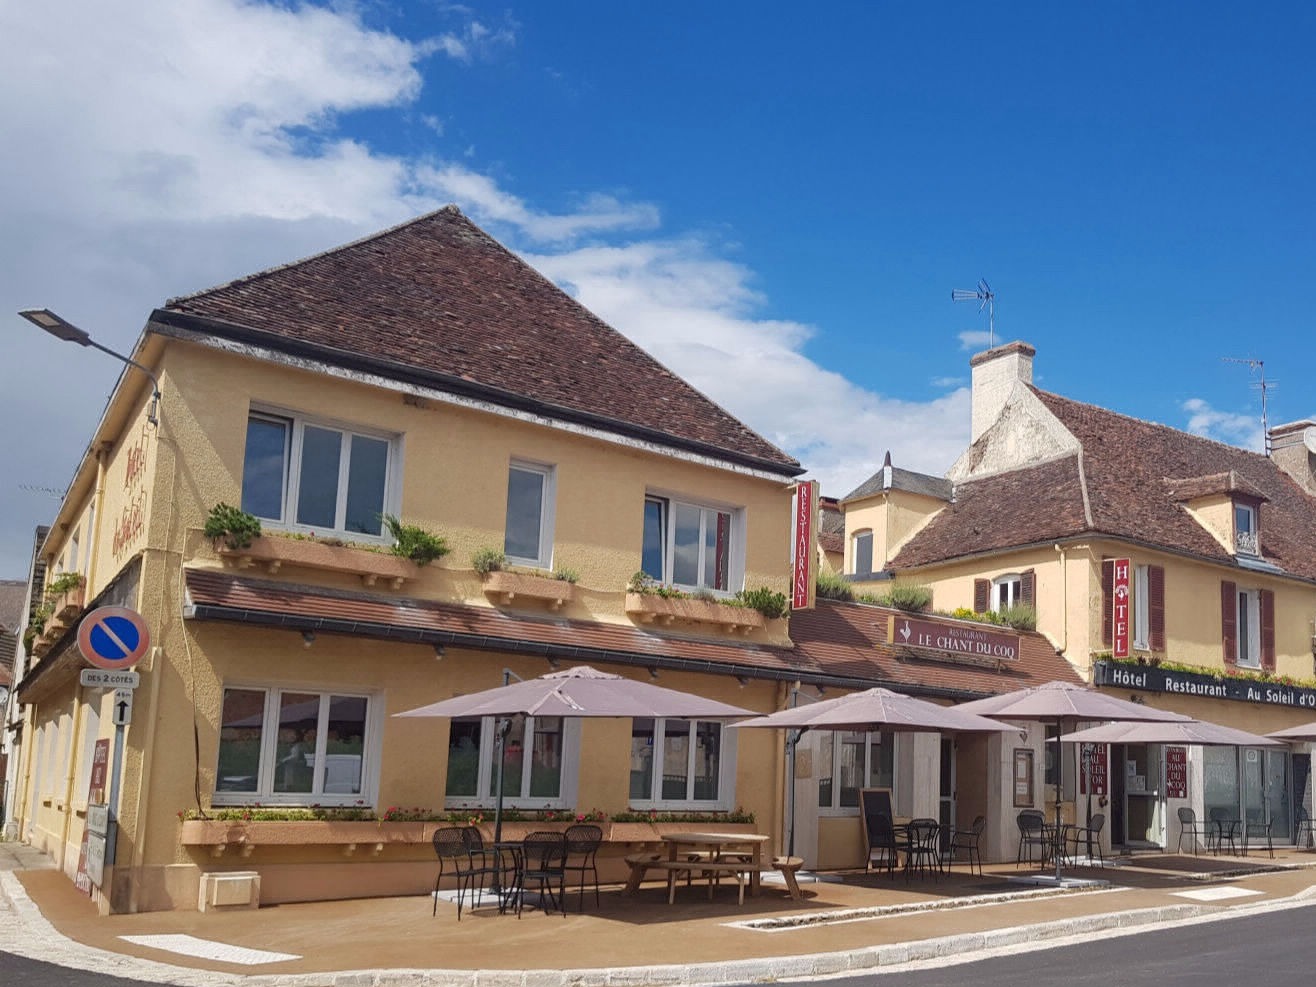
(862, 553)
(1247, 540)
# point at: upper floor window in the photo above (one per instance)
(690, 544)
(289, 746)
(1246, 537)
(1249, 628)
(861, 552)
(316, 476)
(680, 762)
(529, 534)
(1141, 607)
(535, 751)
(1007, 591)
(851, 760)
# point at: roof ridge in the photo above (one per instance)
(1083, 486)
(329, 252)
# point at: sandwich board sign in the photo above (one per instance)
(113, 637)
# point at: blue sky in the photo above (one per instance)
(775, 200)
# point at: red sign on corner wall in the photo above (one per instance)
(1120, 609)
(803, 548)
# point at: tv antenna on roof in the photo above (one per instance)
(1258, 367)
(985, 297)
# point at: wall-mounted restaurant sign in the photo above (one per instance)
(957, 639)
(1151, 679)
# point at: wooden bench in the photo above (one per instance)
(788, 866)
(642, 863)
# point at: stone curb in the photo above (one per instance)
(31, 935)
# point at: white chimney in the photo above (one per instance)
(995, 373)
(1293, 449)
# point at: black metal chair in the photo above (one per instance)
(969, 841)
(1197, 830)
(883, 843)
(1255, 823)
(1302, 824)
(1225, 824)
(583, 842)
(461, 854)
(1032, 833)
(1089, 838)
(923, 852)
(543, 861)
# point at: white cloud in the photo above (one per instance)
(1225, 426)
(948, 382)
(157, 148)
(974, 339)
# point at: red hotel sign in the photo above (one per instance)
(955, 638)
(802, 575)
(1120, 609)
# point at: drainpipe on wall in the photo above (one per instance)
(97, 521)
(1064, 596)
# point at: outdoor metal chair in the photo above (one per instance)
(1089, 838)
(923, 852)
(1032, 833)
(1226, 826)
(1197, 831)
(583, 842)
(1302, 826)
(1256, 823)
(883, 843)
(543, 862)
(969, 841)
(464, 858)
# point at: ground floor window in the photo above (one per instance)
(850, 760)
(679, 763)
(535, 750)
(293, 746)
(1249, 784)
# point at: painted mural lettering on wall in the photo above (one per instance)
(131, 521)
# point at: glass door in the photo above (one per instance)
(946, 802)
(1278, 802)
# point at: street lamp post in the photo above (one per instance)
(60, 328)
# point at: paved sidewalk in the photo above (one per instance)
(867, 922)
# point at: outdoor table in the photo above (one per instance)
(1227, 830)
(1056, 836)
(720, 843)
(507, 892)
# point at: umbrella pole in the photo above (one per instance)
(1060, 779)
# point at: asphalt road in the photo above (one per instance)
(18, 971)
(1277, 949)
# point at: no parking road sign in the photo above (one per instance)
(113, 637)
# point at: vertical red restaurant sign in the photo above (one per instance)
(1176, 772)
(100, 760)
(1120, 609)
(803, 549)
(1094, 755)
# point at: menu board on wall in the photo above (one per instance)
(1176, 772)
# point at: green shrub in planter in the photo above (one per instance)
(912, 597)
(234, 526)
(833, 586)
(767, 602)
(487, 560)
(413, 542)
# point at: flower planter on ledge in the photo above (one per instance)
(67, 607)
(275, 553)
(507, 586)
(649, 607)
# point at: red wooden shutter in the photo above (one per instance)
(1156, 606)
(1267, 630)
(1028, 588)
(982, 595)
(1229, 621)
(1107, 601)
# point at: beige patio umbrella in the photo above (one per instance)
(1201, 733)
(1303, 732)
(1065, 703)
(868, 710)
(579, 691)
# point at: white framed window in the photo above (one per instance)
(528, 538)
(694, 546)
(1141, 607)
(1246, 537)
(861, 553)
(316, 476)
(536, 752)
(295, 746)
(849, 760)
(682, 763)
(1249, 628)
(1007, 591)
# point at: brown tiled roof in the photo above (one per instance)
(439, 300)
(850, 640)
(831, 541)
(12, 594)
(1022, 507)
(1125, 465)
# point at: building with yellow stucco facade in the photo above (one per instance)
(1050, 501)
